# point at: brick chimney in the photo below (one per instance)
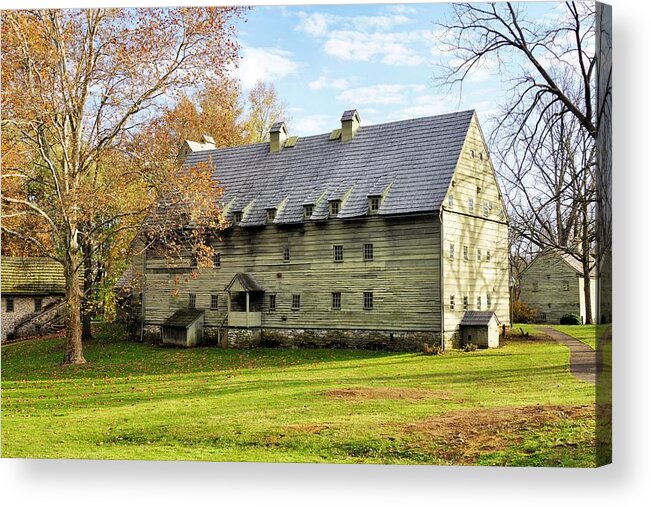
(277, 136)
(349, 124)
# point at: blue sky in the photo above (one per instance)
(377, 58)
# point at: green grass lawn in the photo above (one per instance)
(516, 405)
(587, 333)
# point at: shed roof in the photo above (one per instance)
(32, 275)
(415, 159)
(477, 318)
(183, 317)
(247, 281)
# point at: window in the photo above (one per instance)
(374, 204)
(450, 201)
(488, 255)
(192, 300)
(286, 256)
(271, 215)
(217, 260)
(334, 208)
(336, 300)
(309, 209)
(488, 300)
(368, 251)
(478, 302)
(486, 209)
(472, 153)
(10, 305)
(193, 261)
(338, 253)
(535, 286)
(481, 155)
(38, 304)
(471, 205)
(451, 302)
(368, 301)
(479, 254)
(272, 302)
(451, 251)
(214, 301)
(296, 301)
(542, 316)
(465, 302)
(566, 285)
(237, 217)
(465, 253)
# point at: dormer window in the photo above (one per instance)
(309, 209)
(373, 205)
(237, 217)
(334, 208)
(271, 214)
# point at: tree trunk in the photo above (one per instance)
(587, 295)
(86, 314)
(74, 352)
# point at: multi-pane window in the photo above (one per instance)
(535, 286)
(566, 285)
(272, 302)
(368, 251)
(478, 302)
(451, 302)
(237, 217)
(451, 251)
(465, 302)
(450, 201)
(374, 204)
(471, 205)
(214, 301)
(38, 304)
(465, 253)
(309, 209)
(336, 300)
(486, 209)
(338, 253)
(10, 305)
(334, 208)
(479, 254)
(488, 299)
(296, 301)
(192, 300)
(368, 301)
(286, 255)
(271, 215)
(488, 255)
(217, 260)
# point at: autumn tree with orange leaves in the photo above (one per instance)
(79, 87)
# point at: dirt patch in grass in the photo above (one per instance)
(461, 436)
(387, 393)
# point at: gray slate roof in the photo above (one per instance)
(248, 282)
(183, 317)
(477, 318)
(417, 158)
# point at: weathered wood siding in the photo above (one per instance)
(479, 228)
(553, 288)
(404, 275)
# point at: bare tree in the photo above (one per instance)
(543, 137)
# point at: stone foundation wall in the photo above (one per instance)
(23, 308)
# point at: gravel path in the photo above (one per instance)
(583, 360)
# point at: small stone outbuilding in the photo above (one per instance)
(184, 328)
(480, 328)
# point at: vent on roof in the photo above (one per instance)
(335, 134)
(291, 142)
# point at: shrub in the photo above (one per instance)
(523, 313)
(470, 347)
(570, 319)
(432, 350)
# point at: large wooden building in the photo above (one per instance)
(366, 236)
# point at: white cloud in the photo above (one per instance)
(314, 124)
(318, 24)
(389, 48)
(264, 64)
(380, 94)
(325, 82)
